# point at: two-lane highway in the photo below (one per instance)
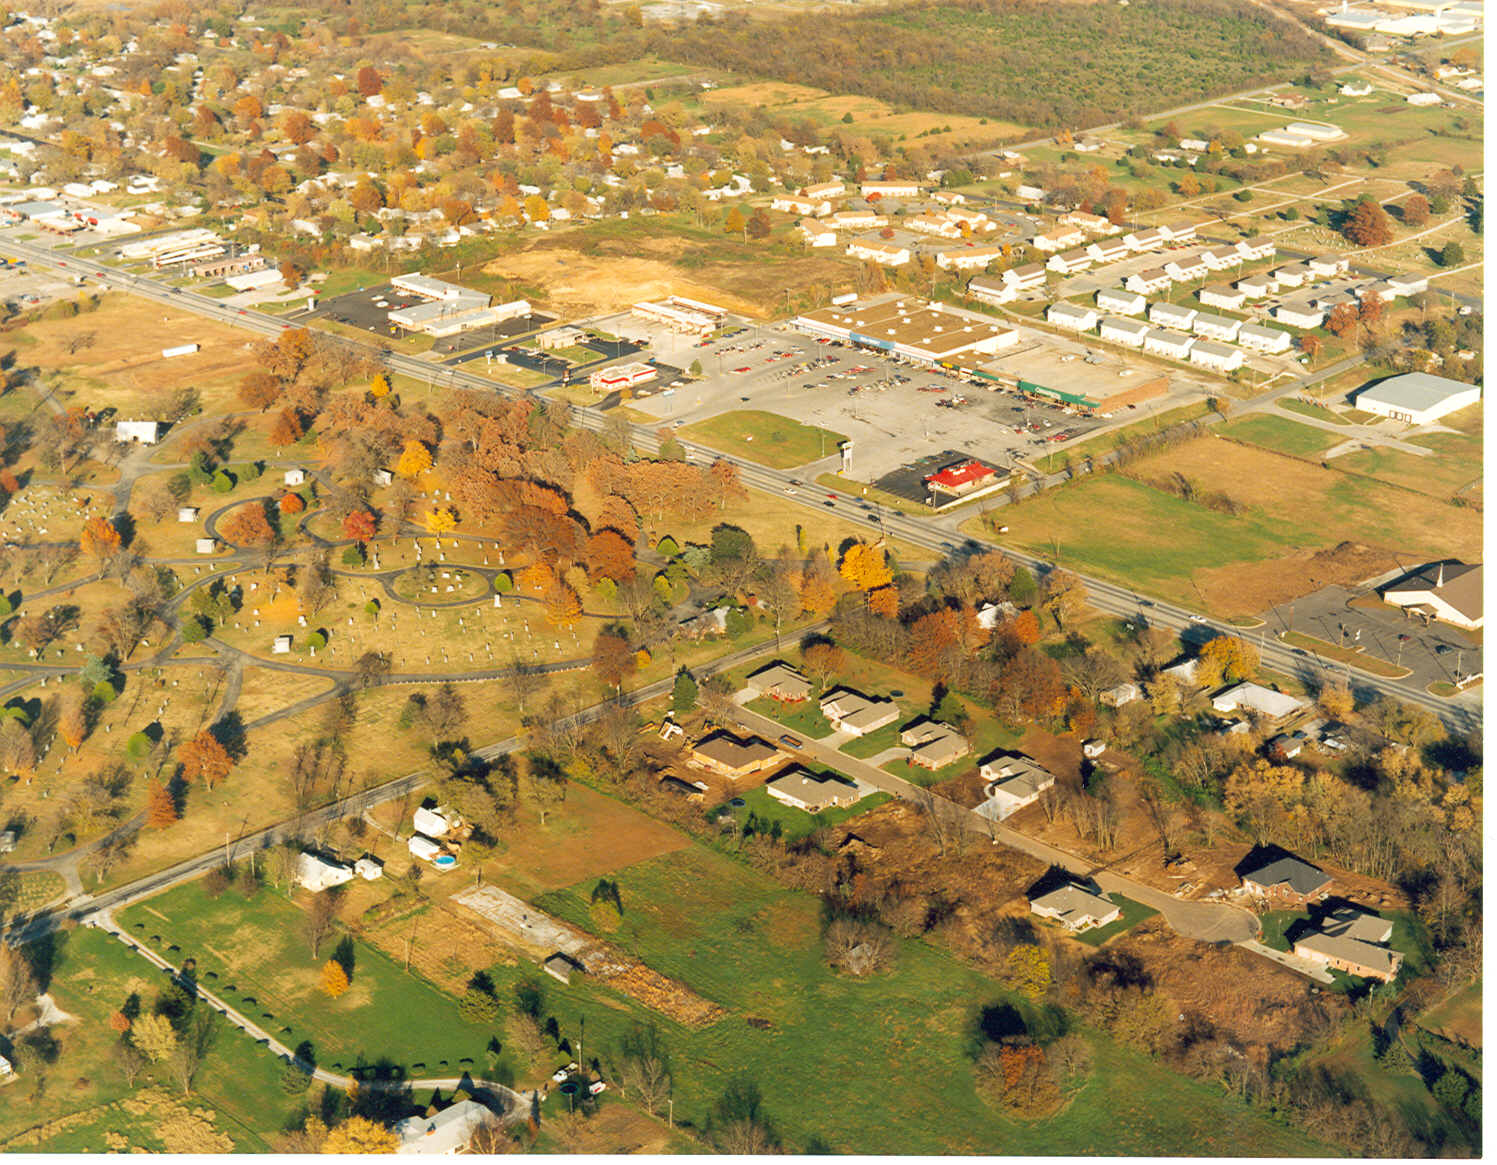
(937, 534)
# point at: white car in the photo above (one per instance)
(596, 1087)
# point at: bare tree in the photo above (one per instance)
(322, 918)
(857, 947)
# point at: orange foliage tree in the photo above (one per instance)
(100, 538)
(161, 809)
(204, 758)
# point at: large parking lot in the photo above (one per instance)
(896, 413)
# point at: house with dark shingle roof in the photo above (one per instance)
(1280, 878)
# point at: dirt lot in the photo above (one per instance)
(1253, 587)
(623, 271)
(129, 334)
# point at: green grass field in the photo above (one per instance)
(767, 438)
(1133, 914)
(804, 719)
(92, 976)
(738, 938)
(874, 743)
(1281, 435)
(264, 967)
(1456, 464)
(797, 823)
(1310, 409)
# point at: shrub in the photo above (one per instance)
(504, 582)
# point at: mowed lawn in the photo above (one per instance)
(92, 976)
(875, 1066)
(1282, 435)
(1135, 533)
(254, 956)
(1455, 464)
(767, 438)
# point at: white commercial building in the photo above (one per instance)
(1217, 357)
(1417, 397)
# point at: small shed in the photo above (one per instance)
(369, 869)
(383, 477)
(562, 967)
(1091, 749)
(7, 841)
(206, 545)
(187, 513)
(281, 645)
(138, 432)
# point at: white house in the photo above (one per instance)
(424, 848)
(1407, 285)
(1149, 240)
(437, 822)
(1069, 262)
(1215, 327)
(1148, 281)
(857, 220)
(968, 258)
(1299, 315)
(1026, 278)
(1058, 238)
(876, 251)
(1164, 342)
(1220, 295)
(992, 291)
(317, 874)
(138, 432)
(1073, 317)
(1186, 268)
(932, 224)
(1107, 250)
(1030, 193)
(1220, 258)
(1256, 698)
(1327, 266)
(1417, 397)
(294, 476)
(1260, 339)
(1355, 89)
(891, 188)
(1119, 330)
(444, 1134)
(1171, 315)
(1217, 357)
(1291, 275)
(187, 514)
(1423, 99)
(794, 204)
(1075, 908)
(817, 234)
(1121, 301)
(369, 869)
(1014, 781)
(1257, 286)
(1253, 250)
(856, 714)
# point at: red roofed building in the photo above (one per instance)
(957, 480)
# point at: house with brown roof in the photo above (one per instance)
(1354, 941)
(856, 714)
(933, 745)
(728, 756)
(781, 682)
(814, 792)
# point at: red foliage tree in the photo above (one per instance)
(359, 525)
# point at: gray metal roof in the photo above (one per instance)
(1413, 391)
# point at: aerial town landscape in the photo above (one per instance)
(715, 576)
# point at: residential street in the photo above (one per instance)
(1205, 921)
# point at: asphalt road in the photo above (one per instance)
(938, 534)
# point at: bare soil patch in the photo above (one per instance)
(621, 272)
(1253, 587)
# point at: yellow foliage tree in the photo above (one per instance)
(441, 520)
(379, 387)
(563, 607)
(818, 595)
(415, 459)
(359, 1134)
(1028, 971)
(866, 567)
(536, 577)
(334, 979)
(1226, 659)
